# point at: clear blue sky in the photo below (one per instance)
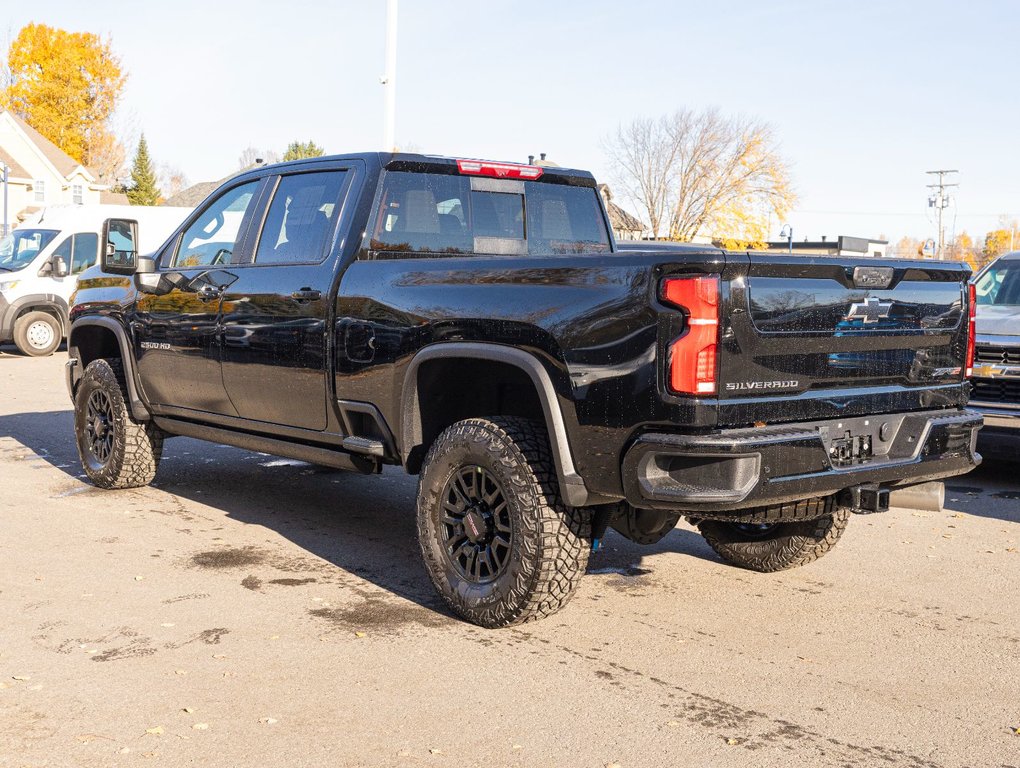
(864, 96)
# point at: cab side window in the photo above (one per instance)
(79, 251)
(424, 213)
(565, 219)
(214, 235)
(64, 250)
(84, 252)
(452, 214)
(301, 219)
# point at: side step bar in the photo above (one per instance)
(325, 456)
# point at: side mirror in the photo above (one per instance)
(120, 249)
(59, 266)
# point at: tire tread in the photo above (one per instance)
(556, 551)
(138, 446)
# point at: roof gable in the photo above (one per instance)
(17, 171)
(64, 164)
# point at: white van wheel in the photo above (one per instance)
(37, 334)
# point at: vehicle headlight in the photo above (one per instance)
(10, 285)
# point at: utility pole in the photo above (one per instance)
(7, 173)
(940, 200)
(389, 79)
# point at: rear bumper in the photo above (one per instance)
(743, 468)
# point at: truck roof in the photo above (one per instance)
(422, 163)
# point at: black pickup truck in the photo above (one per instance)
(476, 324)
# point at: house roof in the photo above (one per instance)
(196, 193)
(618, 217)
(17, 171)
(59, 159)
(106, 197)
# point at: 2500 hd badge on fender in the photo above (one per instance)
(476, 324)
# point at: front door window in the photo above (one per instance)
(213, 237)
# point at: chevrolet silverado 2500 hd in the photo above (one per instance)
(476, 324)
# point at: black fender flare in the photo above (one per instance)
(572, 486)
(46, 302)
(135, 402)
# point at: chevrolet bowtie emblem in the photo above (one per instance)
(870, 310)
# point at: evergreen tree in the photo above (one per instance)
(143, 178)
(299, 150)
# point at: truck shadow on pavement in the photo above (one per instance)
(354, 531)
(345, 525)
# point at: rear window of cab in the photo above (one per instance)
(439, 214)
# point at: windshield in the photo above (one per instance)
(21, 246)
(1000, 285)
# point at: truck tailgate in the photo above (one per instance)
(839, 337)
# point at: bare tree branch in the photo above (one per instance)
(697, 173)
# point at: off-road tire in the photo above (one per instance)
(549, 541)
(135, 448)
(777, 546)
(32, 342)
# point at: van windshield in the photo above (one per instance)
(21, 246)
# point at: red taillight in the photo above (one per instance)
(499, 170)
(971, 328)
(693, 359)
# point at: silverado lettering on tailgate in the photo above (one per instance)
(747, 385)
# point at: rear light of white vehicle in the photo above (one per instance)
(693, 358)
(971, 328)
(499, 170)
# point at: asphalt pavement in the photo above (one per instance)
(247, 610)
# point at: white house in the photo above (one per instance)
(41, 174)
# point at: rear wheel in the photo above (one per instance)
(768, 547)
(116, 451)
(37, 334)
(499, 544)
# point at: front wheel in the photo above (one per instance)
(498, 543)
(768, 547)
(116, 451)
(37, 334)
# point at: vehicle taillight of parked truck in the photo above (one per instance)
(693, 363)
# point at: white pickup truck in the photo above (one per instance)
(40, 262)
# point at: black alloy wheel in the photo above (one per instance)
(99, 430)
(476, 525)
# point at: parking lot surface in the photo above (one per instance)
(247, 610)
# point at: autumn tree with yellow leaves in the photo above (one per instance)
(1002, 240)
(702, 173)
(66, 86)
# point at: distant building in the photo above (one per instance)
(841, 246)
(195, 194)
(625, 226)
(42, 174)
(191, 197)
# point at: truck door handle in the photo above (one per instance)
(209, 292)
(306, 294)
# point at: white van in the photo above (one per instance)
(40, 262)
